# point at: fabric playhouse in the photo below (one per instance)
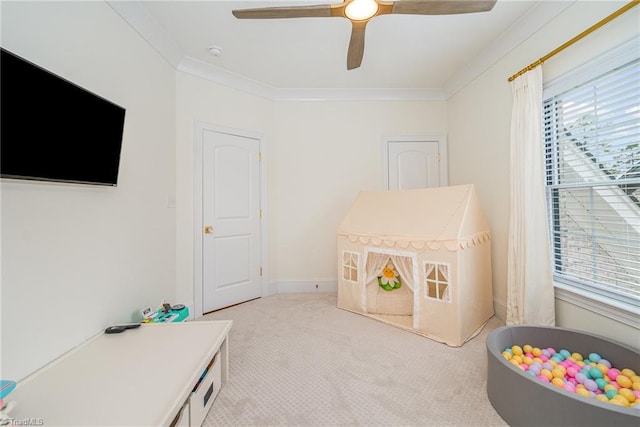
(419, 260)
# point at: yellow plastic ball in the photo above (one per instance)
(636, 386)
(620, 398)
(600, 397)
(506, 355)
(635, 378)
(547, 373)
(628, 394)
(628, 373)
(517, 350)
(527, 348)
(616, 402)
(577, 356)
(517, 358)
(609, 387)
(623, 381)
(536, 352)
(584, 392)
(557, 382)
(557, 373)
(603, 368)
(527, 361)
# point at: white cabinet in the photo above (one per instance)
(141, 377)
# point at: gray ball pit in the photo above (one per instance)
(525, 401)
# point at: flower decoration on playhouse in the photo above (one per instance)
(388, 279)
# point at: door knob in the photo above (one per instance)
(208, 229)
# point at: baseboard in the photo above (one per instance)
(295, 286)
(500, 309)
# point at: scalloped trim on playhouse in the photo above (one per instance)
(419, 243)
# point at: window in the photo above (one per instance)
(592, 155)
(437, 278)
(350, 266)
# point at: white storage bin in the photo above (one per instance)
(205, 393)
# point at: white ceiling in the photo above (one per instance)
(401, 51)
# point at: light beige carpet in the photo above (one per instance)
(298, 360)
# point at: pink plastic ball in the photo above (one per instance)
(571, 372)
(613, 373)
(543, 378)
(566, 386)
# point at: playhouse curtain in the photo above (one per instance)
(530, 294)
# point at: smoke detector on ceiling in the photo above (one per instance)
(215, 50)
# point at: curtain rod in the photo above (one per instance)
(583, 34)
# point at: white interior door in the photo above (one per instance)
(231, 243)
(413, 162)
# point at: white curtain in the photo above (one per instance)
(404, 267)
(530, 294)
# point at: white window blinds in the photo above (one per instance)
(592, 153)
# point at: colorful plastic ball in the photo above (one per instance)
(590, 385)
(532, 373)
(557, 382)
(567, 387)
(628, 394)
(605, 362)
(507, 355)
(551, 350)
(543, 378)
(536, 352)
(610, 393)
(576, 356)
(517, 350)
(623, 381)
(581, 378)
(595, 373)
(601, 383)
(571, 372)
(613, 373)
(508, 350)
(636, 386)
(595, 357)
(603, 368)
(546, 353)
(527, 348)
(546, 373)
(628, 373)
(602, 398)
(620, 398)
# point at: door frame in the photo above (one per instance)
(198, 220)
(442, 150)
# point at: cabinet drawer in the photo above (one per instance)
(205, 393)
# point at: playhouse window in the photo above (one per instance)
(437, 278)
(350, 266)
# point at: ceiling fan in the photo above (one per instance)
(360, 12)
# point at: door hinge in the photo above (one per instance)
(259, 156)
(261, 271)
(438, 156)
(260, 213)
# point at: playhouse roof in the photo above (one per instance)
(441, 215)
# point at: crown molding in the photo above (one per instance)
(134, 13)
(530, 23)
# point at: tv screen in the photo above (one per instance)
(54, 130)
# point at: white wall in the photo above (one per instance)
(327, 152)
(202, 100)
(479, 122)
(78, 258)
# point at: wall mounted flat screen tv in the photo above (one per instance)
(54, 130)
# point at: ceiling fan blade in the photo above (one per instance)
(322, 10)
(441, 7)
(356, 45)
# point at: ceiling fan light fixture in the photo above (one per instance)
(361, 10)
